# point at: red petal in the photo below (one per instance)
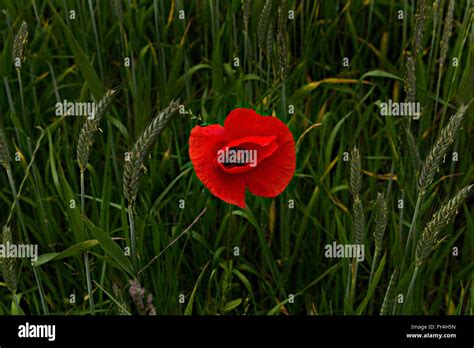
(270, 177)
(241, 123)
(203, 145)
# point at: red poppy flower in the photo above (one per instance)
(251, 151)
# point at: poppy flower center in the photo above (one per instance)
(244, 154)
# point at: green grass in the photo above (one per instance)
(281, 249)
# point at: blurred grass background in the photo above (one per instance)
(284, 65)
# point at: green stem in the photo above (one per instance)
(132, 234)
(21, 96)
(82, 193)
(17, 304)
(86, 255)
(369, 27)
(412, 228)
(410, 288)
(348, 282)
(89, 282)
(438, 84)
(354, 280)
(374, 265)
(433, 35)
(283, 101)
(268, 82)
(400, 223)
(10, 103)
(9, 96)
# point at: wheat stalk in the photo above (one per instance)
(430, 236)
(436, 10)
(358, 226)
(246, 9)
(390, 294)
(4, 153)
(410, 77)
(355, 186)
(19, 43)
(247, 45)
(447, 30)
(9, 263)
(269, 42)
(420, 18)
(85, 142)
(412, 150)
(263, 23)
(438, 152)
(118, 11)
(133, 166)
(281, 41)
(410, 91)
(381, 218)
(432, 164)
(90, 127)
(448, 25)
(410, 80)
(431, 233)
(134, 163)
(355, 179)
(358, 222)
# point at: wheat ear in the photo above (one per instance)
(263, 23)
(9, 263)
(4, 153)
(281, 41)
(390, 294)
(381, 217)
(431, 165)
(86, 140)
(430, 237)
(246, 9)
(420, 18)
(358, 224)
(438, 152)
(19, 43)
(431, 233)
(133, 166)
(134, 163)
(91, 126)
(355, 186)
